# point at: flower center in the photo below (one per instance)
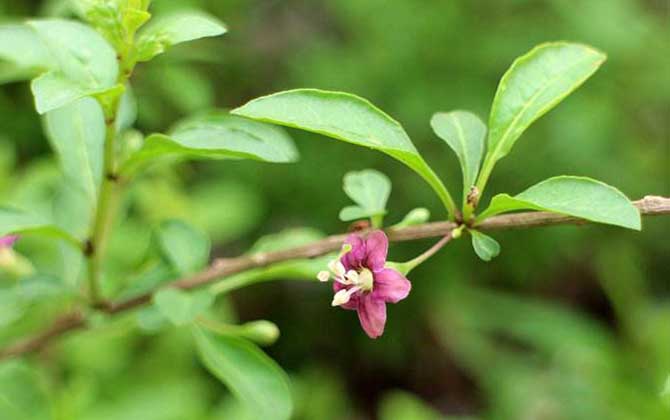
(365, 280)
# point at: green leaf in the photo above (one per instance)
(185, 248)
(485, 246)
(415, 217)
(180, 307)
(573, 196)
(23, 49)
(216, 135)
(250, 374)
(179, 27)
(464, 132)
(348, 118)
(533, 85)
(22, 395)
(77, 133)
(403, 405)
(13, 221)
(86, 63)
(369, 189)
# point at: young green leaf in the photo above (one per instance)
(416, 216)
(22, 48)
(180, 307)
(485, 246)
(77, 133)
(464, 132)
(216, 135)
(185, 248)
(348, 118)
(533, 85)
(14, 221)
(573, 196)
(370, 190)
(250, 374)
(180, 27)
(86, 64)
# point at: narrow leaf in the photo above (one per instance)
(574, 196)
(485, 246)
(249, 373)
(216, 136)
(180, 27)
(77, 133)
(533, 85)
(348, 118)
(14, 221)
(464, 132)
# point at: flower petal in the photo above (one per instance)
(7, 241)
(372, 314)
(354, 259)
(391, 286)
(377, 246)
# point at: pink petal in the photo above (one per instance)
(7, 241)
(377, 246)
(372, 314)
(354, 259)
(391, 286)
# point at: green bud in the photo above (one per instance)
(262, 332)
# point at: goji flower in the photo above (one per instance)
(363, 283)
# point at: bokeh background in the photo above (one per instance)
(567, 323)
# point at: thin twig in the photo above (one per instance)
(648, 206)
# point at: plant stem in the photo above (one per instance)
(103, 212)
(415, 262)
(648, 206)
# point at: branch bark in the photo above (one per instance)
(220, 268)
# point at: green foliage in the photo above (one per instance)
(14, 221)
(370, 190)
(24, 52)
(464, 132)
(533, 85)
(183, 247)
(416, 216)
(252, 376)
(176, 28)
(77, 134)
(574, 196)
(22, 396)
(180, 307)
(215, 135)
(344, 117)
(485, 246)
(85, 63)
(403, 405)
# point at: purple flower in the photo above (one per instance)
(7, 241)
(362, 283)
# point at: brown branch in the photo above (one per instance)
(648, 206)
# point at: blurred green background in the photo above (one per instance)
(567, 323)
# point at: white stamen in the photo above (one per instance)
(337, 268)
(343, 296)
(342, 280)
(323, 276)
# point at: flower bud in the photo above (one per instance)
(262, 332)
